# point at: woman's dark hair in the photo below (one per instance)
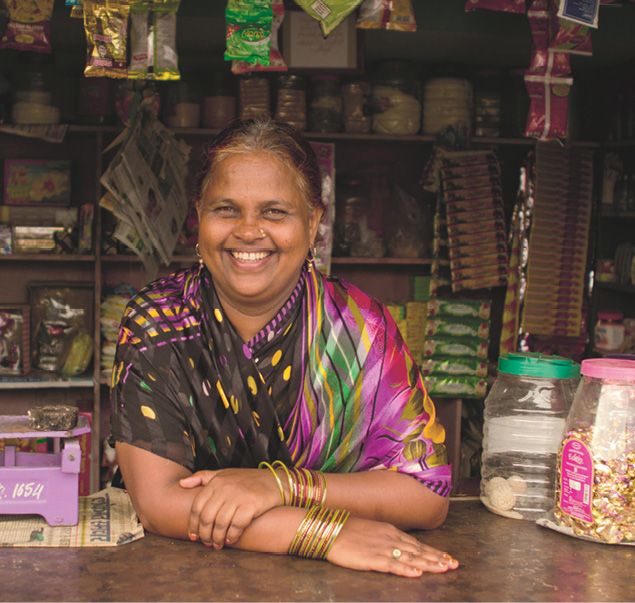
(265, 135)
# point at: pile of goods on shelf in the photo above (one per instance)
(447, 336)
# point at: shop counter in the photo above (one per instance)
(501, 560)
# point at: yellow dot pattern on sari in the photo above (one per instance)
(218, 315)
(280, 433)
(276, 358)
(147, 412)
(256, 417)
(251, 383)
(234, 404)
(219, 387)
(287, 373)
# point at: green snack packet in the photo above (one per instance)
(330, 13)
(248, 25)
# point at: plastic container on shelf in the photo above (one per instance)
(447, 101)
(356, 106)
(609, 331)
(291, 100)
(325, 103)
(524, 420)
(183, 103)
(595, 490)
(396, 99)
(33, 92)
(219, 101)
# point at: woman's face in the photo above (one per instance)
(255, 230)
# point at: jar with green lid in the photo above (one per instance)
(524, 419)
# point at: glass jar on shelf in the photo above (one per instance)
(219, 101)
(183, 103)
(291, 100)
(396, 99)
(325, 103)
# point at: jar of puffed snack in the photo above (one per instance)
(595, 490)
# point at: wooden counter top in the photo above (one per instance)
(501, 560)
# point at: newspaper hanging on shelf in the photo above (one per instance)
(146, 190)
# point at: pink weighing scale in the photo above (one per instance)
(35, 483)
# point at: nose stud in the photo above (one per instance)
(263, 233)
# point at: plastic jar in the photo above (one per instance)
(183, 104)
(33, 93)
(291, 101)
(219, 102)
(524, 420)
(595, 489)
(447, 101)
(325, 104)
(356, 107)
(396, 99)
(609, 331)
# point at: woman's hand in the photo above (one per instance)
(227, 503)
(364, 544)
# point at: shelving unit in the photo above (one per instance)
(386, 277)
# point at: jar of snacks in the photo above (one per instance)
(609, 331)
(447, 101)
(325, 104)
(595, 490)
(291, 101)
(356, 107)
(183, 103)
(219, 102)
(396, 99)
(524, 418)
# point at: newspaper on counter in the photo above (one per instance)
(106, 518)
(146, 178)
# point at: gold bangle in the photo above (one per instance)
(281, 464)
(323, 501)
(338, 529)
(268, 466)
(300, 534)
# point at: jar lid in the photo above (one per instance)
(610, 314)
(609, 368)
(538, 365)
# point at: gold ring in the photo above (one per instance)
(396, 553)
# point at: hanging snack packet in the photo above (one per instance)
(276, 62)
(571, 37)
(330, 13)
(549, 108)
(248, 24)
(106, 25)
(544, 61)
(153, 40)
(507, 6)
(29, 25)
(386, 14)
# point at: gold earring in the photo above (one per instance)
(198, 253)
(310, 258)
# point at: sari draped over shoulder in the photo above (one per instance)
(327, 384)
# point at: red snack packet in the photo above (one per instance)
(508, 6)
(29, 26)
(548, 111)
(571, 37)
(543, 60)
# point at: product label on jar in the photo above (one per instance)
(576, 480)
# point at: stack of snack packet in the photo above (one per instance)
(410, 318)
(455, 347)
(558, 242)
(469, 229)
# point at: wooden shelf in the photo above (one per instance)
(381, 261)
(621, 288)
(44, 380)
(123, 258)
(609, 212)
(46, 257)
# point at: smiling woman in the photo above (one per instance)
(261, 405)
